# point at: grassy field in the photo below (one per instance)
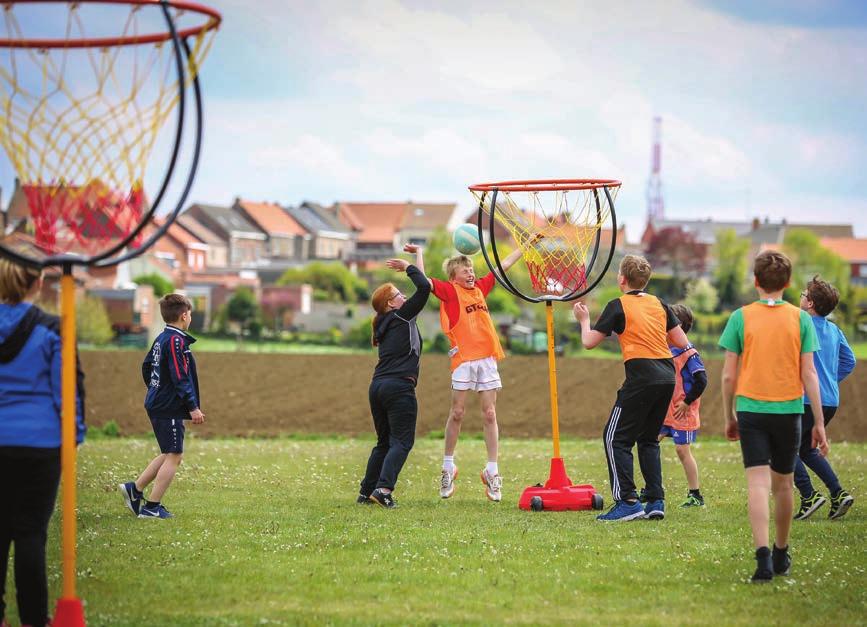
(267, 532)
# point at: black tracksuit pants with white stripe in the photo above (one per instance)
(636, 419)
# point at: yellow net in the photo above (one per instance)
(555, 230)
(80, 122)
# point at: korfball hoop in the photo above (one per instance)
(557, 225)
(87, 89)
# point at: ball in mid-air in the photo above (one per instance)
(466, 239)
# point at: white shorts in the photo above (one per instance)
(477, 375)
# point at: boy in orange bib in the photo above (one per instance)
(682, 421)
(474, 350)
(768, 365)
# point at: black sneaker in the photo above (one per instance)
(781, 560)
(381, 498)
(764, 567)
(809, 505)
(840, 504)
(363, 500)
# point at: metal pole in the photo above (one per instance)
(552, 378)
(67, 449)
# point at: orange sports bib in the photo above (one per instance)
(473, 336)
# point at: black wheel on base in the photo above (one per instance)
(597, 501)
(536, 504)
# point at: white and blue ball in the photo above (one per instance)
(466, 239)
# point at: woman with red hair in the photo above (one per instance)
(392, 391)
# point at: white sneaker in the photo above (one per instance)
(447, 483)
(493, 485)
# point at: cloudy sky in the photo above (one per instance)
(764, 109)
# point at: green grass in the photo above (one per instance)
(860, 349)
(267, 532)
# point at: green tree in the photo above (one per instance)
(161, 285)
(92, 321)
(730, 274)
(333, 281)
(810, 258)
(701, 296)
(243, 309)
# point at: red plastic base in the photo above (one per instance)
(558, 494)
(69, 613)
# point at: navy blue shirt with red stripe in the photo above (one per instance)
(169, 372)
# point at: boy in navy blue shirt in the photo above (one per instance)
(169, 372)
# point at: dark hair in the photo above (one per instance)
(823, 295)
(684, 314)
(173, 306)
(772, 270)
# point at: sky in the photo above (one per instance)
(763, 105)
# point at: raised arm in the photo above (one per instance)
(589, 337)
(415, 303)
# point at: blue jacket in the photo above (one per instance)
(30, 393)
(834, 361)
(169, 372)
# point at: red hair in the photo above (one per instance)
(379, 301)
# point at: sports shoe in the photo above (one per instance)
(781, 560)
(493, 485)
(622, 511)
(693, 501)
(447, 483)
(154, 512)
(809, 505)
(764, 568)
(132, 501)
(363, 500)
(381, 498)
(655, 510)
(840, 504)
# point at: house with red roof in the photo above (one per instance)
(286, 239)
(853, 250)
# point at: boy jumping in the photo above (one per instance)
(768, 365)
(474, 351)
(169, 372)
(645, 327)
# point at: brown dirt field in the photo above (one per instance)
(268, 395)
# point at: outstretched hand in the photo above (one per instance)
(581, 312)
(400, 265)
(411, 248)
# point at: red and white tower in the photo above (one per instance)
(655, 204)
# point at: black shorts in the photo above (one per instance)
(169, 433)
(770, 439)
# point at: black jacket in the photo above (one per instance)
(396, 332)
(169, 372)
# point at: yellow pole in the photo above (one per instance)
(67, 449)
(552, 378)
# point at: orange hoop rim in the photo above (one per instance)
(544, 185)
(213, 22)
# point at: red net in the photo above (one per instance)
(558, 278)
(82, 220)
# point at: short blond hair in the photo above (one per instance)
(16, 281)
(636, 270)
(451, 265)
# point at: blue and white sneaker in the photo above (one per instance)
(154, 512)
(655, 510)
(132, 501)
(622, 511)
